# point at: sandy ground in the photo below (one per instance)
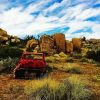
(88, 71)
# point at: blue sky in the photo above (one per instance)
(74, 18)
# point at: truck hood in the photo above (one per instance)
(28, 63)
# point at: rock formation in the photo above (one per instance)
(47, 44)
(7, 39)
(69, 47)
(31, 44)
(59, 41)
(76, 44)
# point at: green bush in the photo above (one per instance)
(91, 54)
(97, 58)
(8, 63)
(94, 54)
(6, 51)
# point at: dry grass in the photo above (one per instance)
(61, 57)
(46, 89)
(96, 78)
(66, 67)
(49, 89)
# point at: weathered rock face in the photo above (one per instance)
(47, 44)
(7, 39)
(14, 39)
(3, 36)
(76, 44)
(69, 47)
(31, 44)
(59, 41)
(3, 32)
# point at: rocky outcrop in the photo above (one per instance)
(76, 44)
(7, 39)
(59, 41)
(69, 47)
(31, 44)
(3, 36)
(47, 44)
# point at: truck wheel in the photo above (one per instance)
(19, 74)
(26, 75)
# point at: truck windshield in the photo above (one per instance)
(32, 56)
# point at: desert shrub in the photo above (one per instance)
(46, 89)
(56, 55)
(8, 63)
(72, 69)
(94, 54)
(62, 54)
(97, 58)
(77, 55)
(49, 89)
(91, 54)
(96, 78)
(76, 89)
(84, 60)
(70, 59)
(50, 59)
(7, 51)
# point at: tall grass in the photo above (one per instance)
(77, 89)
(49, 89)
(46, 89)
(66, 67)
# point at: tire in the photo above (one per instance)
(19, 73)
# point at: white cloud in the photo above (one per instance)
(38, 6)
(88, 13)
(20, 22)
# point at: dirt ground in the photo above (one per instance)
(88, 71)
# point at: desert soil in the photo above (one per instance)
(88, 71)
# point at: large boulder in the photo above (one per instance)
(3, 39)
(76, 44)
(3, 32)
(7, 39)
(59, 41)
(69, 47)
(47, 44)
(3, 36)
(31, 44)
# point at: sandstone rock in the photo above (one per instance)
(76, 44)
(69, 47)
(7, 39)
(3, 39)
(13, 40)
(3, 32)
(47, 44)
(59, 41)
(31, 44)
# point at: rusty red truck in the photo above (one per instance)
(30, 63)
